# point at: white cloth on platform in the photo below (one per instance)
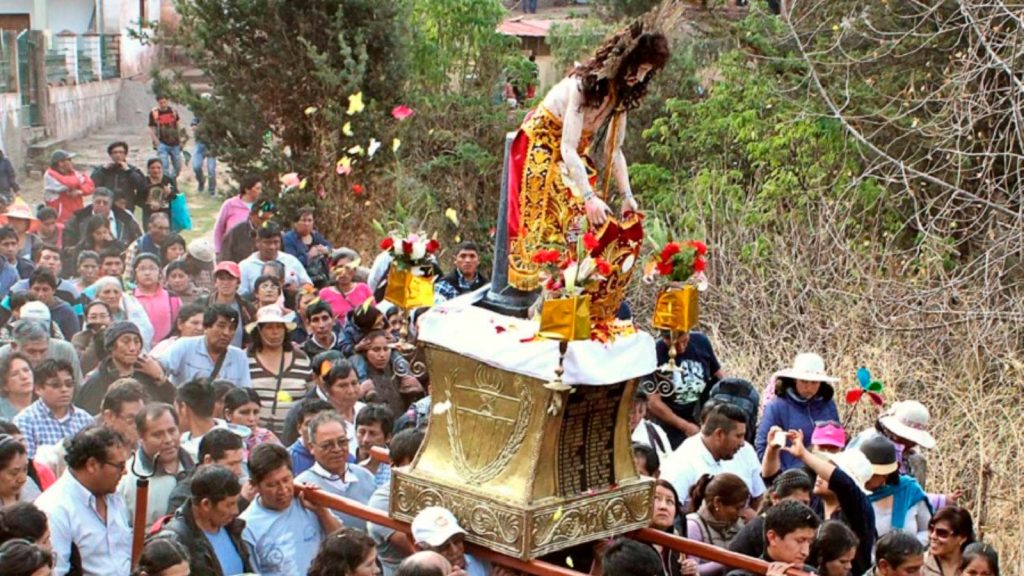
(508, 343)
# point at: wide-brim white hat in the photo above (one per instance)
(271, 314)
(908, 419)
(807, 366)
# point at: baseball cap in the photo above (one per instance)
(434, 525)
(35, 311)
(881, 452)
(828, 434)
(229, 267)
(201, 249)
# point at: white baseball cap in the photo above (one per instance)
(35, 311)
(434, 526)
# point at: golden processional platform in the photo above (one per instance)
(527, 467)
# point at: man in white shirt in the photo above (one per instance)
(720, 447)
(88, 519)
(268, 249)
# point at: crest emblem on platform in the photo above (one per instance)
(487, 422)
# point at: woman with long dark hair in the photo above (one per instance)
(346, 552)
(666, 512)
(163, 557)
(833, 549)
(980, 560)
(716, 503)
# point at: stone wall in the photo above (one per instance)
(72, 111)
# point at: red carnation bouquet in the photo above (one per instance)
(678, 261)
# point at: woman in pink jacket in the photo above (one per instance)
(236, 209)
(64, 187)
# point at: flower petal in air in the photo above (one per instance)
(401, 112)
(355, 104)
(290, 180)
(347, 129)
(310, 111)
(452, 215)
(395, 144)
(373, 147)
(356, 150)
(344, 166)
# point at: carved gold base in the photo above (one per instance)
(527, 468)
(528, 531)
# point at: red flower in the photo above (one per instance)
(603, 267)
(357, 189)
(670, 250)
(433, 245)
(699, 264)
(406, 247)
(401, 112)
(665, 268)
(387, 243)
(552, 285)
(546, 256)
(700, 247)
(590, 241)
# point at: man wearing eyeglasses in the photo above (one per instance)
(329, 443)
(88, 519)
(51, 418)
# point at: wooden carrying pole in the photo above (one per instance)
(537, 567)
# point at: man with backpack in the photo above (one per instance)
(165, 131)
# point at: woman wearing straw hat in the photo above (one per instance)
(803, 396)
(279, 372)
(905, 423)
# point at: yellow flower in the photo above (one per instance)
(356, 150)
(395, 144)
(284, 396)
(344, 166)
(310, 111)
(347, 129)
(452, 215)
(355, 104)
(302, 184)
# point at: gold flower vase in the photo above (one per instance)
(676, 309)
(565, 318)
(408, 291)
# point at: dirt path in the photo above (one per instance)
(133, 107)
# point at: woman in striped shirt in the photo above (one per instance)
(280, 373)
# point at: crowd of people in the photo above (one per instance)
(225, 371)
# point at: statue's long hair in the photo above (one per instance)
(605, 73)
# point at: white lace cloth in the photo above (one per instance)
(508, 343)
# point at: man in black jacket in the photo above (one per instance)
(125, 180)
(125, 229)
(208, 526)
